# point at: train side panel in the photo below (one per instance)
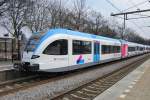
(112, 54)
(124, 49)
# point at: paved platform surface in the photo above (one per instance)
(135, 86)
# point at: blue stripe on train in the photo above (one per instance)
(70, 32)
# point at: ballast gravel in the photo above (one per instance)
(51, 89)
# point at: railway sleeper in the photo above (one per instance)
(90, 94)
(79, 97)
(84, 95)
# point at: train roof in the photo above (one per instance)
(52, 32)
(76, 33)
(81, 34)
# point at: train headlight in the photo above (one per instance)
(35, 56)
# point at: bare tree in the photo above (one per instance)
(57, 13)
(98, 21)
(80, 10)
(36, 20)
(53, 10)
(3, 6)
(46, 14)
(13, 19)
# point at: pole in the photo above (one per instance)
(129, 13)
(18, 49)
(124, 25)
(5, 50)
(12, 50)
(132, 12)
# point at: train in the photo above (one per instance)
(61, 50)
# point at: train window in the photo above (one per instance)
(33, 42)
(137, 48)
(58, 47)
(116, 49)
(81, 47)
(107, 49)
(141, 48)
(130, 49)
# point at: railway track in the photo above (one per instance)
(85, 92)
(90, 90)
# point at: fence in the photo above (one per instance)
(10, 49)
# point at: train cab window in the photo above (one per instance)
(81, 47)
(33, 42)
(58, 47)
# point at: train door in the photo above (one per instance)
(124, 50)
(96, 51)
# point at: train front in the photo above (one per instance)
(28, 62)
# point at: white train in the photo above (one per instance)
(61, 50)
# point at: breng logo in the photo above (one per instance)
(80, 60)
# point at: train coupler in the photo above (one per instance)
(26, 67)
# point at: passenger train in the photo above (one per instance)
(61, 50)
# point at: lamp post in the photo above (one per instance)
(19, 39)
(12, 49)
(5, 37)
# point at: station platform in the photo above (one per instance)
(6, 65)
(135, 86)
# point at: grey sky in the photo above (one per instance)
(106, 9)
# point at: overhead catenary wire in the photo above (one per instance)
(139, 13)
(135, 5)
(113, 5)
(121, 11)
